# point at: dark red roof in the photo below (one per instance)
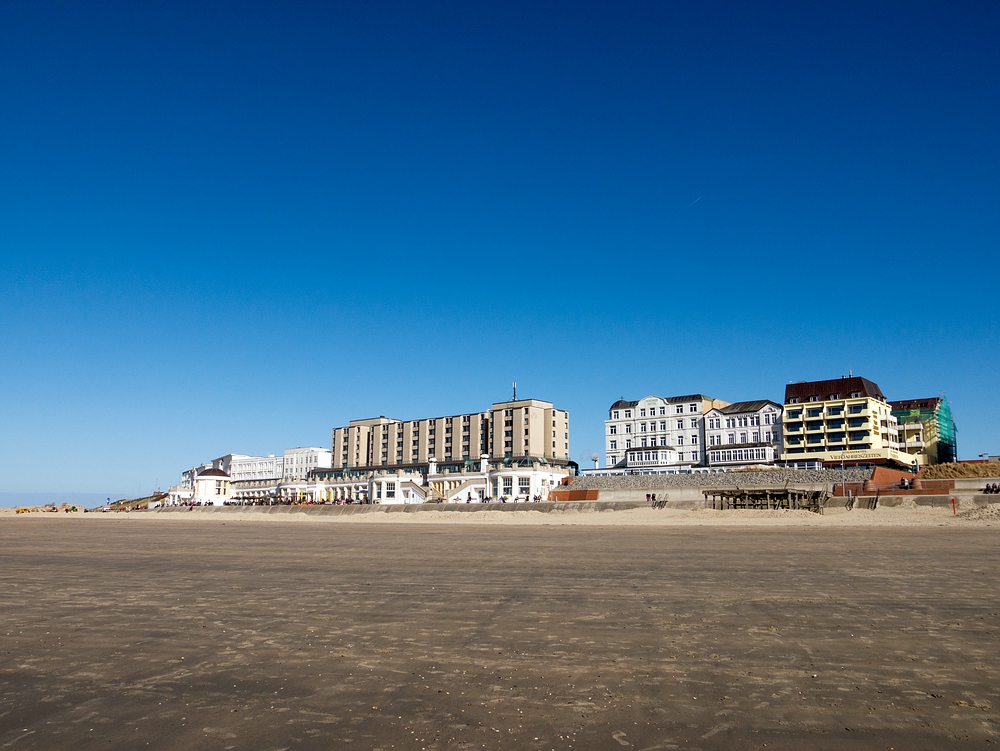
(212, 472)
(836, 388)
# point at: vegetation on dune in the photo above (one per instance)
(957, 470)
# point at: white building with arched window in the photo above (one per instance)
(657, 433)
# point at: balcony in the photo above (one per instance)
(793, 427)
(812, 427)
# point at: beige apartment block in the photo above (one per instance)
(518, 429)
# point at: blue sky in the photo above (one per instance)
(232, 227)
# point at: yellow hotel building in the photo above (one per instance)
(841, 422)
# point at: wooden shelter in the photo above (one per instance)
(766, 498)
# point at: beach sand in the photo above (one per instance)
(698, 631)
(565, 514)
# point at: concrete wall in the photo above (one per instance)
(972, 484)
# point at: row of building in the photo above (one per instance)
(834, 423)
(519, 449)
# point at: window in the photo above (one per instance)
(793, 400)
(663, 410)
(613, 445)
(390, 490)
(508, 485)
(694, 440)
(642, 413)
(680, 409)
(743, 437)
(612, 460)
(628, 443)
(642, 427)
(663, 424)
(680, 440)
(663, 440)
(628, 413)
(643, 440)
(731, 438)
(692, 408)
(524, 485)
(855, 394)
(628, 427)
(613, 430)
(680, 425)
(756, 436)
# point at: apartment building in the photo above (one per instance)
(841, 422)
(743, 434)
(674, 426)
(927, 429)
(516, 429)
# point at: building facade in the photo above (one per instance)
(743, 434)
(243, 467)
(927, 429)
(299, 462)
(657, 433)
(211, 487)
(518, 429)
(841, 422)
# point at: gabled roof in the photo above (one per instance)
(740, 407)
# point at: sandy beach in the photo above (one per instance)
(698, 632)
(563, 515)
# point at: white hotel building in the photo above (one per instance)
(658, 434)
(743, 434)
